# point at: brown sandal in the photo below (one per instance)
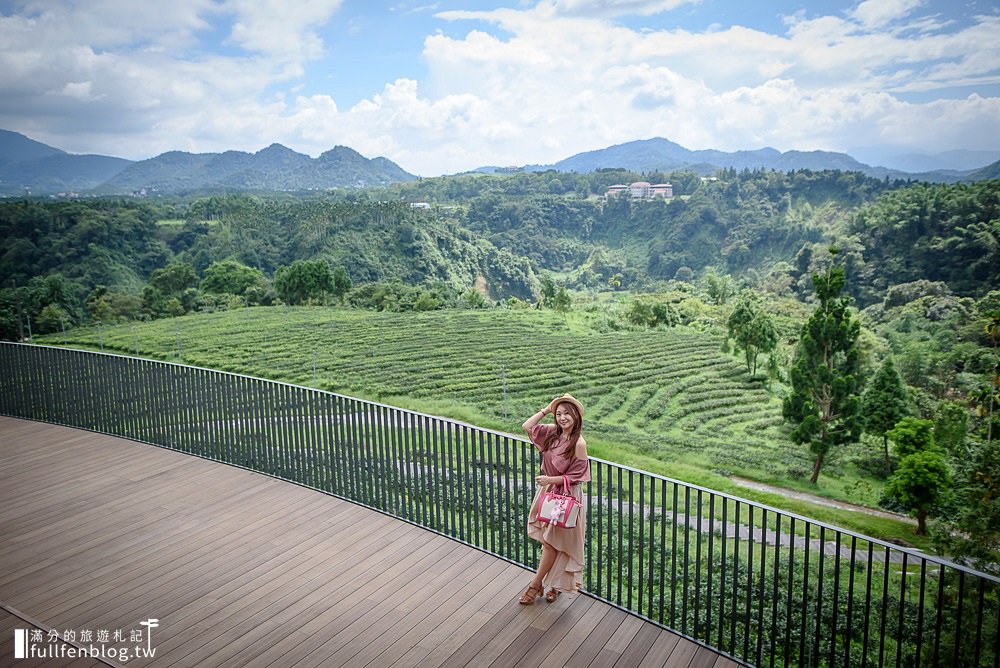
(527, 598)
(552, 595)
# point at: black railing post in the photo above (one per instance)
(775, 579)
(849, 631)
(736, 578)
(686, 585)
(786, 647)
(642, 542)
(722, 577)
(901, 614)
(630, 551)
(663, 550)
(673, 561)
(596, 527)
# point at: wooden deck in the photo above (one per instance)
(98, 534)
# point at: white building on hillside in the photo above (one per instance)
(641, 190)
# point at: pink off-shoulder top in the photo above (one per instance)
(559, 459)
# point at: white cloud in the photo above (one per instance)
(942, 124)
(608, 8)
(78, 89)
(878, 13)
(557, 85)
(530, 85)
(820, 84)
(140, 78)
(108, 24)
(280, 28)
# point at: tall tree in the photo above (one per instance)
(752, 328)
(342, 284)
(562, 301)
(304, 281)
(170, 290)
(548, 291)
(922, 479)
(920, 482)
(231, 277)
(824, 403)
(912, 435)
(174, 279)
(884, 403)
(719, 286)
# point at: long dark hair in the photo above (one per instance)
(574, 435)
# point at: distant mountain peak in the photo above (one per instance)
(277, 148)
(15, 147)
(275, 168)
(27, 166)
(663, 155)
(340, 152)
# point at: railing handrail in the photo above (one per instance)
(913, 552)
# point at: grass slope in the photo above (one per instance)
(668, 401)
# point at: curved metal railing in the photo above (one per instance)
(765, 586)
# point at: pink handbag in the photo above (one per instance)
(559, 510)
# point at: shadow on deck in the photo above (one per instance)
(99, 534)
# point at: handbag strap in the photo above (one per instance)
(566, 485)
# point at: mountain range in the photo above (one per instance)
(31, 167)
(663, 155)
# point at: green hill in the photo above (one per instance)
(766, 229)
(668, 394)
(275, 168)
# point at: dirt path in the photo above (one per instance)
(822, 501)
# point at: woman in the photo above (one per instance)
(564, 453)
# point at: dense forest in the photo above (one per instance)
(501, 234)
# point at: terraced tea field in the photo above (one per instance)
(671, 395)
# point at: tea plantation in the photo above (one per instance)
(667, 394)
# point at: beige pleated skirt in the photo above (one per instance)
(566, 573)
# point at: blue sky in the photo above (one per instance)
(447, 86)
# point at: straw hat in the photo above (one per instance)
(566, 398)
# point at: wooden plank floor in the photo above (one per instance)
(99, 534)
